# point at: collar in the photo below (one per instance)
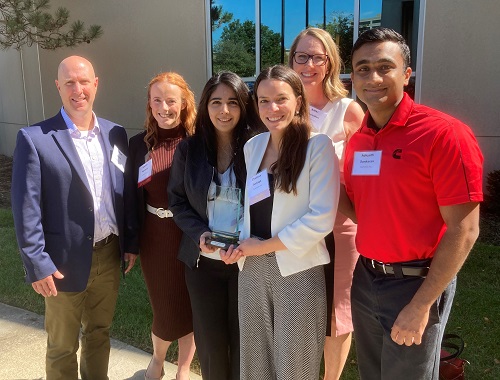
(399, 117)
(74, 131)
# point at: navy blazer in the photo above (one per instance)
(52, 203)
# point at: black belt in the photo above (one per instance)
(101, 243)
(418, 268)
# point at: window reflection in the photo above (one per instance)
(233, 36)
(295, 21)
(316, 13)
(370, 14)
(400, 15)
(233, 29)
(340, 25)
(271, 41)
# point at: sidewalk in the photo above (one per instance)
(22, 351)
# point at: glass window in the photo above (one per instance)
(400, 15)
(233, 23)
(340, 25)
(271, 33)
(316, 13)
(295, 21)
(233, 36)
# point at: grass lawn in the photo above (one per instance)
(475, 314)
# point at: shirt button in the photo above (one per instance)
(89, 237)
(90, 209)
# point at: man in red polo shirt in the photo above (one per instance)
(414, 176)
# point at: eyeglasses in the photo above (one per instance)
(317, 59)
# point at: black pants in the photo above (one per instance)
(213, 289)
(377, 300)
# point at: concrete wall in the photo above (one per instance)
(141, 39)
(460, 67)
(20, 94)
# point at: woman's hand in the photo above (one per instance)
(130, 259)
(232, 255)
(204, 247)
(251, 247)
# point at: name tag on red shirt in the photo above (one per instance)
(367, 162)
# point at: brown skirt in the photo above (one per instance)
(164, 277)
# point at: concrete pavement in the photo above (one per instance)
(22, 351)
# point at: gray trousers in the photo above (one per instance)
(377, 300)
(282, 321)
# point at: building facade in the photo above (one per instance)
(453, 44)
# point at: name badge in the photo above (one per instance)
(118, 158)
(258, 187)
(145, 173)
(367, 163)
(317, 117)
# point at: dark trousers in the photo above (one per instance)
(213, 290)
(377, 300)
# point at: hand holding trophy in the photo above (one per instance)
(226, 211)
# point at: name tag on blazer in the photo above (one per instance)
(118, 159)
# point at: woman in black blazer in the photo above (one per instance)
(226, 119)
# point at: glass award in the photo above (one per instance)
(225, 215)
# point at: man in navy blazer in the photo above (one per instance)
(67, 202)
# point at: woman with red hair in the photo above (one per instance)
(151, 231)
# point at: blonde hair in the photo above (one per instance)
(332, 85)
(188, 114)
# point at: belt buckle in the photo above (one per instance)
(160, 212)
(379, 263)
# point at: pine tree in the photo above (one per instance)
(26, 22)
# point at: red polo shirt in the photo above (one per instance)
(429, 159)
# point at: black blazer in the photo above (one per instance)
(135, 209)
(190, 178)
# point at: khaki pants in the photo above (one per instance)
(91, 310)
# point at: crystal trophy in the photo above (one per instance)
(225, 216)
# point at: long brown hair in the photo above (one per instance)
(293, 145)
(188, 114)
(333, 87)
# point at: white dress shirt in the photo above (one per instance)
(90, 149)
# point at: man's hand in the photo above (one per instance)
(46, 286)
(462, 222)
(410, 325)
(130, 258)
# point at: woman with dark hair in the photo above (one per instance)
(204, 164)
(170, 115)
(291, 198)
(315, 57)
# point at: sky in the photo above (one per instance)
(294, 12)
